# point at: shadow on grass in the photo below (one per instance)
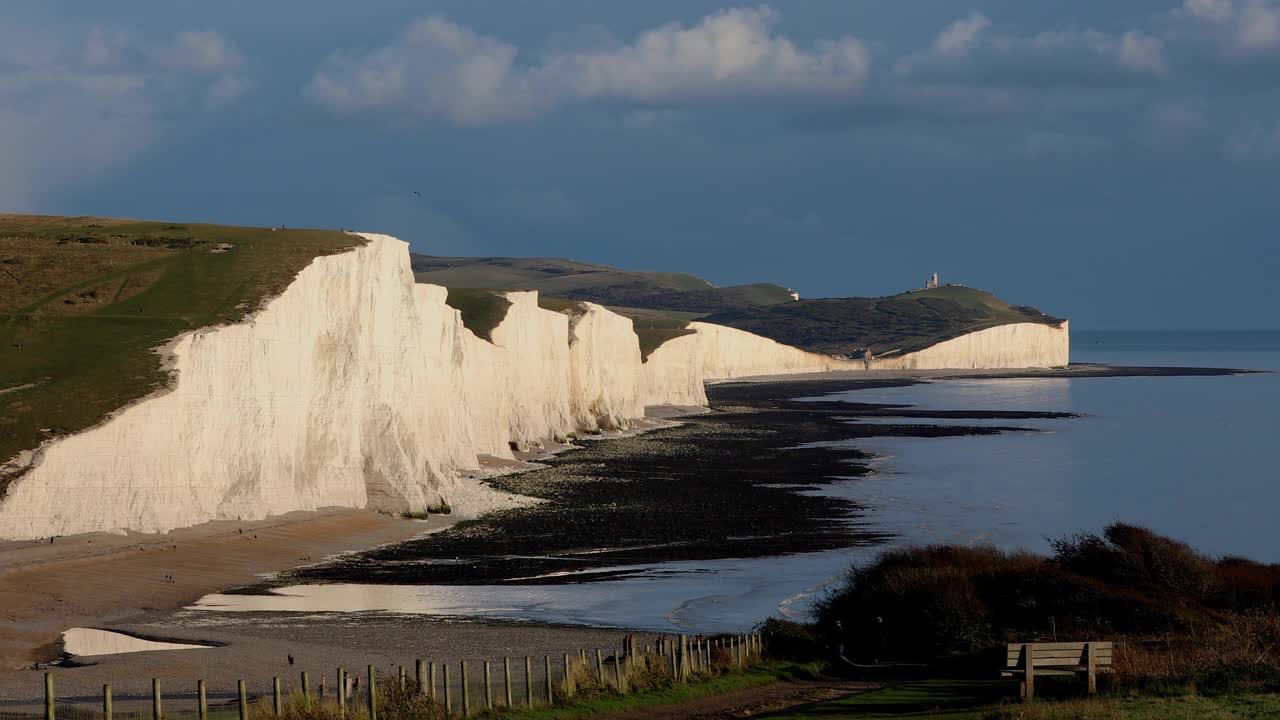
(923, 698)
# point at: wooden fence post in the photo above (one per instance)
(546, 662)
(488, 687)
(431, 679)
(404, 680)
(448, 690)
(202, 701)
(420, 675)
(155, 699)
(600, 667)
(373, 693)
(244, 700)
(568, 677)
(528, 682)
(106, 702)
(506, 677)
(341, 682)
(48, 697)
(275, 696)
(466, 692)
(306, 689)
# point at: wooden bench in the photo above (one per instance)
(1057, 658)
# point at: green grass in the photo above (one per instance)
(890, 325)
(601, 284)
(482, 310)
(84, 301)
(653, 338)
(752, 677)
(992, 700)
(568, 307)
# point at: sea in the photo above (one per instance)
(1195, 458)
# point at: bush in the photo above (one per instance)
(787, 640)
(1216, 621)
(921, 602)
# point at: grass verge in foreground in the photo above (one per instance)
(990, 700)
(757, 676)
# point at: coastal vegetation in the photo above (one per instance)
(482, 310)
(894, 325)
(600, 284)
(661, 304)
(85, 301)
(1194, 636)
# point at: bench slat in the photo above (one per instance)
(1061, 646)
(1060, 662)
(1061, 655)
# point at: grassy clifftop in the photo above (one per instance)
(902, 323)
(84, 301)
(662, 304)
(570, 280)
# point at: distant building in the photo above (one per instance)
(794, 295)
(932, 282)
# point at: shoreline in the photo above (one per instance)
(50, 588)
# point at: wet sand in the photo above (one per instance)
(98, 579)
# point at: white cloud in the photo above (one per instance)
(961, 36)
(436, 69)
(1140, 52)
(1243, 26)
(967, 50)
(199, 50)
(1259, 26)
(1212, 10)
(1179, 118)
(1255, 142)
(1134, 50)
(74, 106)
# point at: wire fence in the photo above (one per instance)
(426, 690)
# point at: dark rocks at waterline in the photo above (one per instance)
(737, 482)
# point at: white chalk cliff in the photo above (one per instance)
(1017, 345)
(357, 387)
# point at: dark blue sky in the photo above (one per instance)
(1117, 163)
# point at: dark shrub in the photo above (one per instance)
(789, 640)
(1138, 558)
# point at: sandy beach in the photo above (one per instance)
(98, 579)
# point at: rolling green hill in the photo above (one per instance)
(570, 280)
(902, 323)
(84, 301)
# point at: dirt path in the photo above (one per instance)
(88, 580)
(750, 702)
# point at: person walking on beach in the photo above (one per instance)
(290, 659)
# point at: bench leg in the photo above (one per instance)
(1030, 673)
(1091, 667)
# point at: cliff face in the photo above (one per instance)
(1020, 345)
(357, 387)
(728, 353)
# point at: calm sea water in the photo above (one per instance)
(1191, 457)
